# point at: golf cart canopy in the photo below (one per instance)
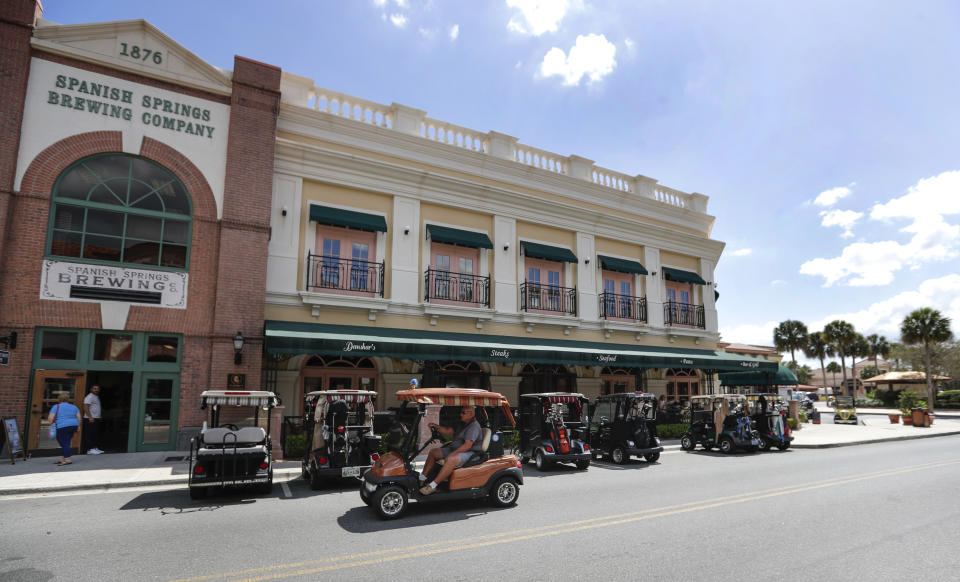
(260, 398)
(557, 397)
(458, 397)
(362, 396)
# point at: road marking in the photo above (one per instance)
(406, 553)
(286, 489)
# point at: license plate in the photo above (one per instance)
(350, 472)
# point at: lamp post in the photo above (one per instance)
(237, 348)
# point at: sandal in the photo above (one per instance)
(63, 463)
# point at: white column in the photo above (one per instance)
(405, 262)
(505, 264)
(654, 283)
(282, 251)
(587, 306)
(709, 301)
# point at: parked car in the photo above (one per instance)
(340, 440)
(229, 455)
(769, 415)
(719, 421)
(624, 425)
(845, 411)
(553, 429)
(393, 481)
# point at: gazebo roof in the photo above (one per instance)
(910, 377)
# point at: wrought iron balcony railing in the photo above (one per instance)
(623, 307)
(551, 298)
(685, 314)
(352, 276)
(456, 288)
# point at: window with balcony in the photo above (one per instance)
(453, 276)
(343, 264)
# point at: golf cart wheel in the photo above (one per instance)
(652, 457)
(582, 465)
(541, 463)
(686, 443)
(619, 456)
(316, 481)
(390, 502)
(783, 446)
(266, 488)
(764, 445)
(505, 492)
(726, 445)
(198, 493)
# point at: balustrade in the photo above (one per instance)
(444, 286)
(683, 314)
(537, 297)
(350, 276)
(623, 307)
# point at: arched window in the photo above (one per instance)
(118, 208)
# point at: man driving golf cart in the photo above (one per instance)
(466, 443)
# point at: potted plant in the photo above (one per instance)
(894, 417)
(908, 400)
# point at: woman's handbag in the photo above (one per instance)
(53, 426)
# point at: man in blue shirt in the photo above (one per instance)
(466, 443)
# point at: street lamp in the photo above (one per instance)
(237, 348)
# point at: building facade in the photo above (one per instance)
(136, 187)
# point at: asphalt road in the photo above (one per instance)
(852, 513)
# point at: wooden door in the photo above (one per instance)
(47, 387)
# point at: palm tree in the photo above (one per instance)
(928, 327)
(833, 368)
(790, 335)
(858, 348)
(817, 347)
(879, 346)
(841, 334)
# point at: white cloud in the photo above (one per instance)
(933, 239)
(831, 196)
(592, 56)
(845, 219)
(454, 32)
(380, 3)
(742, 252)
(402, 3)
(398, 20)
(537, 16)
(749, 333)
(426, 33)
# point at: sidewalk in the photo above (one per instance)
(113, 471)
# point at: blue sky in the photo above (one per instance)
(825, 133)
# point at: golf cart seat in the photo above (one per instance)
(248, 439)
(480, 457)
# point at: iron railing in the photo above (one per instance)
(334, 273)
(623, 307)
(540, 297)
(687, 314)
(456, 287)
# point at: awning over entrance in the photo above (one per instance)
(455, 236)
(538, 251)
(682, 276)
(622, 265)
(283, 337)
(347, 218)
(782, 376)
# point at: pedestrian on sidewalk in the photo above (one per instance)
(92, 419)
(66, 418)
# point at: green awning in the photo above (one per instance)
(622, 265)
(783, 376)
(283, 337)
(682, 276)
(455, 236)
(347, 218)
(537, 251)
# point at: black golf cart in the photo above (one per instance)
(553, 429)
(624, 424)
(845, 410)
(769, 415)
(393, 480)
(719, 421)
(340, 439)
(237, 454)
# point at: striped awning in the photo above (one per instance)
(239, 398)
(345, 395)
(558, 397)
(458, 397)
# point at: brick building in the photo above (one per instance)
(135, 191)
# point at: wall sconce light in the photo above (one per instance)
(9, 341)
(237, 348)
(506, 246)
(653, 273)
(586, 261)
(406, 229)
(284, 210)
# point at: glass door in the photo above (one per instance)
(154, 425)
(48, 385)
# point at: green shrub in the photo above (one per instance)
(671, 431)
(908, 401)
(792, 422)
(887, 398)
(802, 415)
(295, 446)
(867, 403)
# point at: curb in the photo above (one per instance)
(874, 441)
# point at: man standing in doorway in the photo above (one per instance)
(91, 420)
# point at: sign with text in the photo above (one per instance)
(4, 358)
(67, 281)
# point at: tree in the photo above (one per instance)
(859, 348)
(879, 346)
(833, 368)
(790, 335)
(818, 347)
(841, 334)
(928, 327)
(868, 372)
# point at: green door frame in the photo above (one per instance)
(138, 410)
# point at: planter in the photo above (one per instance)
(907, 419)
(894, 418)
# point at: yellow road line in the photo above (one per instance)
(405, 553)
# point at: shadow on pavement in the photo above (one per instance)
(362, 519)
(177, 501)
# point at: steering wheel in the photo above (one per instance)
(230, 426)
(434, 434)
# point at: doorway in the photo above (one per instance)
(48, 385)
(116, 390)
